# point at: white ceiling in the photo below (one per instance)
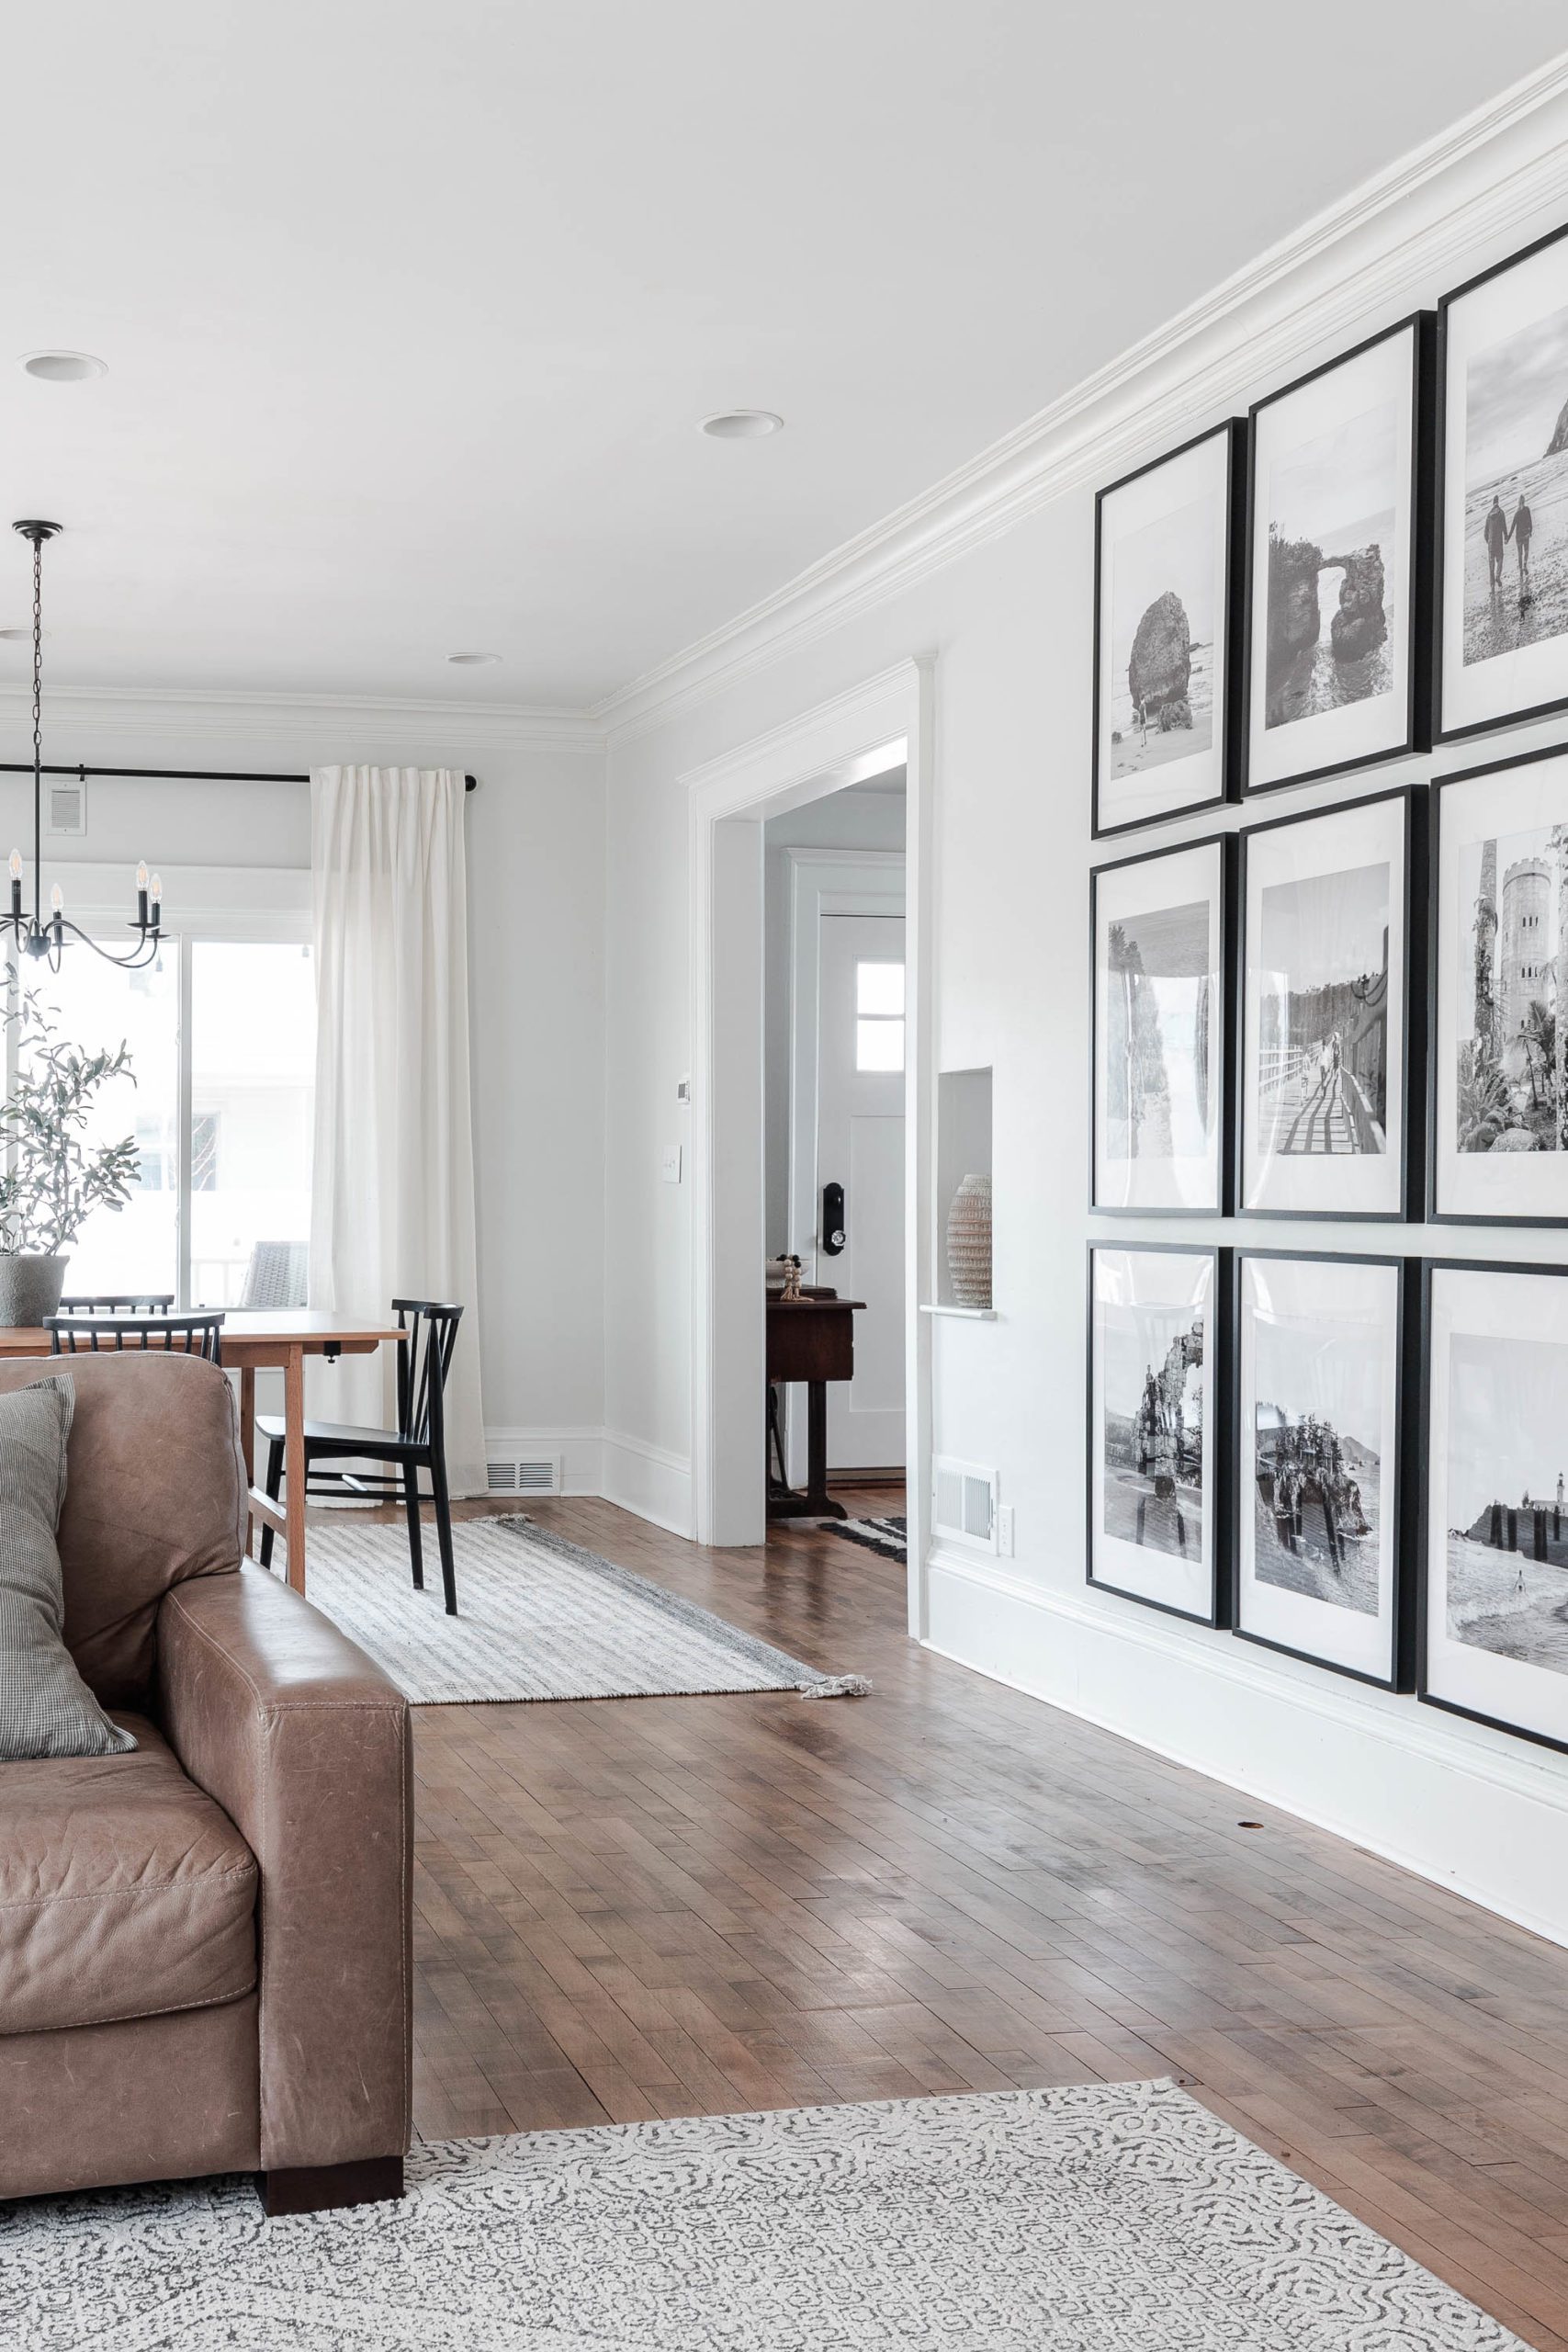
(410, 312)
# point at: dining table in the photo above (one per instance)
(256, 1339)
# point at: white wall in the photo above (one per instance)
(1005, 608)
(535, 834)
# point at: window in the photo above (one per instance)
(879, 1016)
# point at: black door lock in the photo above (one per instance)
(832, 1219)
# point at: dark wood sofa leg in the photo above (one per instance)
(316, 2189)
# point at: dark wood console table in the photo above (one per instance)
(812, 1339)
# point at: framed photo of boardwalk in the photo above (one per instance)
(1166, 668)
(1503, 493)
(1332, 1036)
(1498, 1147)
(1320, 1404)
(1492, 1639)
(1156, 1317)
(1339, 639)
(1161, 929)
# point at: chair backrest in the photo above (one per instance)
(275, 1275)
(423, 1362)
(121, 1302)
(190, 1335)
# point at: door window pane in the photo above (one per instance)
(253, 1097)
(879, 1010)
(879, 1045)
(879, 988)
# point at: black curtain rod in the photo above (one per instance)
(178, 776)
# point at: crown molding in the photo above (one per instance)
(319, 722)
(1426, 216)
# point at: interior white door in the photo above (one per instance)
(860, 1146)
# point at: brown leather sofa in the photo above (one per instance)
(204, 1944)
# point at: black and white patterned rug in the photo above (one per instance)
(538, 1618)
(1104, 2218)
(890, 1537)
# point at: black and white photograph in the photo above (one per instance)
(1505, 492)
(1154, 1323)
(1159, 930)
(1496, 1600)
(1163, 682)
(1333, 579)
(1319, 1391)
(1500, 1142)
(1326, 915)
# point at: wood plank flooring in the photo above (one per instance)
(670, 1907)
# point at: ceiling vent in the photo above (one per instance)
(65, 806)
(510, 1474)
(963, 1502)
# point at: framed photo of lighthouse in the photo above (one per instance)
(1332, 1033)
(1498, 1146)
(1338, 630)
(1492, 1635)
(1167, 633)
(1157, 1444)
(1321, 1396)
(1502, 483)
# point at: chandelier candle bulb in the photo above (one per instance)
(142, 895)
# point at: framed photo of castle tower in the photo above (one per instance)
(1493, 1636)
(1321, 1398)
(1338, 630)
(1157, 1444)
(1498, 1144)
(1167, 633)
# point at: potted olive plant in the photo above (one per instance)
(50, 1182)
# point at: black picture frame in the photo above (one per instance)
(1409, 1399)
(1524, 714)
(1419, 671)
(1226, 1094)
(1436, 944)
(1412, 1043)
(1429, 1267)
(1229, 712)
(1219, 1435)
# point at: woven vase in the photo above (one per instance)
(969, 1242)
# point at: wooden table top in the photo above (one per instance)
(817, 1306)
(243, 1327)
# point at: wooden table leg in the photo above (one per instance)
(294, 1463)
(820, 1503)
(248, 1439)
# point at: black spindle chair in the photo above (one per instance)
(187, 1335)
(121, 1302)
(419, 1442)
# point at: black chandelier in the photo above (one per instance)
(30, 932)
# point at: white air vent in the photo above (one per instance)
(963, 1502)
(66, 807)
(519, 1475)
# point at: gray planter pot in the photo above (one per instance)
(29, 1290)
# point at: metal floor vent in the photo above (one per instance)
(518, 1474)
(964, 1501)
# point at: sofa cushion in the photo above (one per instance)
(124, 1891)
(46, 1709)
(155, 1494)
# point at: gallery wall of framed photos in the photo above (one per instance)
(1352, 1012)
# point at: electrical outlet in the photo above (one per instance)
(1004, 1531)
(670, 1163)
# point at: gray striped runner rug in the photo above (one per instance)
(540, 1618)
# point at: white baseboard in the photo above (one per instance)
(651, 1481)
(1463, 1806)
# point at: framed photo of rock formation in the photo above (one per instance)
(1161, 929)
(1331, 1029)
(1503, 493)
(1166, 666)
(1322, 1392)
(1338, 634)
(1157, 1319)
(1498, 1146)
(1492, 1640)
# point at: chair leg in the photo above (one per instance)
(274, 1488)
(444, 1527)
(411, 1505)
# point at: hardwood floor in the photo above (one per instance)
(669, 1907)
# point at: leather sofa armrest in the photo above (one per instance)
(306, 1745)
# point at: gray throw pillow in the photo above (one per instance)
(46, 1709)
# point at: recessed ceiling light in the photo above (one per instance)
(472, 660)
(742, 424)
(62, 367)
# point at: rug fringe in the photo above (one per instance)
(838, 1686)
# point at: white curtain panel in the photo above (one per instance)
(392, 1209)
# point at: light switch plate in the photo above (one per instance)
(670, 1163)
(1004, 1531)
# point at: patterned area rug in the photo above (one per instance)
(540, 1618)
(1106, 2218)
(889, 1536)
